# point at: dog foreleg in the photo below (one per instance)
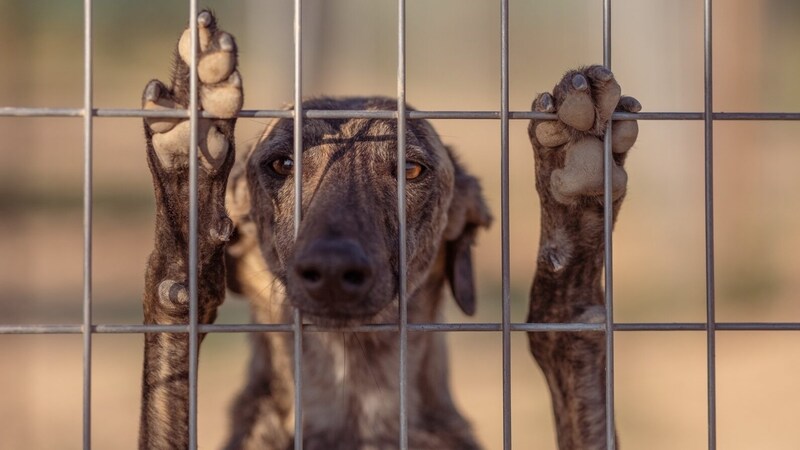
(567, 286)
(165, 380)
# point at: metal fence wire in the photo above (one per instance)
(88, 328)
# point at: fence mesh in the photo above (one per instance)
(504, 115)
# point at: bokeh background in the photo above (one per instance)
(453, 64)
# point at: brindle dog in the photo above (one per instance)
(342, 268)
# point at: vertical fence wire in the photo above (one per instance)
(297, 317)
(87, 224)
(401, 218)
(504, 213)
(608, 224)
(194, 118)
(709, 224)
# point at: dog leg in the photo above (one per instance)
(165, 383)
(567, 286)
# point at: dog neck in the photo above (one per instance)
(350, 392)
(351, 379)
(350, 396)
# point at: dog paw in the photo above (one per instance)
(220, 94)
(569, 151)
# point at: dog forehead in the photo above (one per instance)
(372, 137)
(375, 136)
(379, 133)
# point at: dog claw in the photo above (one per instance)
(603, 74)
(630, 104)
(156, 97)
(152, 92)
(204, 19)
(226, 42)
(579, 82)
(545, 103)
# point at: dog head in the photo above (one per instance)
(343, 264)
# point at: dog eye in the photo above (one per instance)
(282, 166)
(413, 170)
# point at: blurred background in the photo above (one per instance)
(453, 64)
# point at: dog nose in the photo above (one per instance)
(334, 270)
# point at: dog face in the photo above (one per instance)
(343, 265)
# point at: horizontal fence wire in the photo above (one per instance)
(34, 329)
(372, 114)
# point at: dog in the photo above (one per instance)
(341, 267)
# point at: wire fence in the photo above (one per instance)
(87, 329)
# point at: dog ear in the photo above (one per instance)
(467, 213)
